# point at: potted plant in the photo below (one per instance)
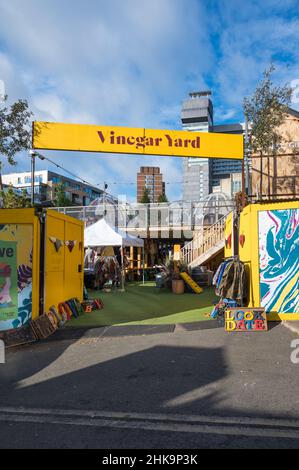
(178, 286)
(175, 282)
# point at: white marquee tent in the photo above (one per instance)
(102, 234)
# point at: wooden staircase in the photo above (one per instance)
(205, 244)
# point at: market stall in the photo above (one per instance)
(101, 234)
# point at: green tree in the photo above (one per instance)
(12, 200)
(162, 198)
(60, 198)
(15, 131)
(145, 198)
(266, 110)
(25, 199)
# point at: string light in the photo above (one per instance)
(123, 183)
(42, 157)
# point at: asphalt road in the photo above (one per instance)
(183, 390)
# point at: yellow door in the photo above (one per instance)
(73, 279)
(63, 259)
(54, 261)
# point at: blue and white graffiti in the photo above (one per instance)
(279, 260)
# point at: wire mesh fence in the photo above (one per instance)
(152, 219)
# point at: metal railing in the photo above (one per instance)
(143, 219)
(203, 240)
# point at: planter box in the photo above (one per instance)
(178, 286)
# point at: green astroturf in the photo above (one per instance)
(147, 305)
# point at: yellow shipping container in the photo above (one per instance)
(269, 248)
(41, 263)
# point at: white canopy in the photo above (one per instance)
(102, 234)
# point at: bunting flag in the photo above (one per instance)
(56, 242)
(70, 244)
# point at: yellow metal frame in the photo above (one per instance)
(228, 231)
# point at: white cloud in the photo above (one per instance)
(2, 90)
(116, 62)
(50, 106)
(295, 98)
(248, 40)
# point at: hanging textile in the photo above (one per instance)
(107, 269)
(231, 281)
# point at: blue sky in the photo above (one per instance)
(132, 62)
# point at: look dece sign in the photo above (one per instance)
(246, 319)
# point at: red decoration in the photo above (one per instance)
(228, 241)
(242, 240)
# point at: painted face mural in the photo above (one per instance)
(15, 275)
(279, 260)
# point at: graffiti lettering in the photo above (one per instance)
(295, 354)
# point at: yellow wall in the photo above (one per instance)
(249, 253)
(228, 231)
(62, 277)
(24, 228)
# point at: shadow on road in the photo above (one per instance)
(154, 378)
(151, 379)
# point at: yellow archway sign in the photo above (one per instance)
(93, 138)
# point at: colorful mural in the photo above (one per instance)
(279, 260)
(8, 280)
(16, 289)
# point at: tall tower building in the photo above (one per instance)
(196, 116)
(201, 175)
(223, 168)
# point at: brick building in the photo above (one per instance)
(277, 175)
(150, 177)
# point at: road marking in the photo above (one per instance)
(241, 426)
(289, 325)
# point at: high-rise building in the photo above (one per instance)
(222, 168)
(149, 177)
(196, 116)
(202, 174)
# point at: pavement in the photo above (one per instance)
(292, 326)
(173, 389)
